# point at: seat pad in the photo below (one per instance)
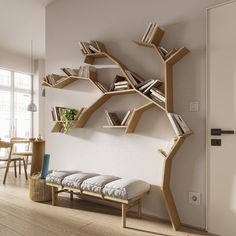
(75, 180)
(96, 184)
(56, 176)
(125, 188)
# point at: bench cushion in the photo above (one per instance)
(95, 184)
(75, 180)
(125, 188)
(56, 176)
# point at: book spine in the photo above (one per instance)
(182, 123)
(153, 33)
(110, 121)
(125, 118)
(146, 86)
(147, 31)
(150, 33)
(174, 124)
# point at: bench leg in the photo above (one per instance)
(124, 211)
(54, 195)
(71, 195)
(140, 208)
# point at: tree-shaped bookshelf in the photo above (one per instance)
(167, 106)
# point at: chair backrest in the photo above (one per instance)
(7, 145)
(17, 140)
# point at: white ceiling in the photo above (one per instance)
(21, 21)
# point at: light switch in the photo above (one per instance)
(194, 106)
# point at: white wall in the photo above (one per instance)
(13, 61)
(99, 150)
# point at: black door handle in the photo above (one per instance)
(220, 131)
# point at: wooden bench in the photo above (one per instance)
(128, 192)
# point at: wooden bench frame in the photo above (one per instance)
(126, 205)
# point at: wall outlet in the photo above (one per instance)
(194, 106)
(194, 198)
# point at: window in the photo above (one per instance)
(15, 95)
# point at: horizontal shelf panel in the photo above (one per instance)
(114, 127)
(96, 55)
(64, 82)
(106, 66)
(125, 91)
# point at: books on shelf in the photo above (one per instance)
(89, 48)
(178, 124)
(70, 72)
(157, 95)
(113, 119)
(119, 83)
(58, 111)
(53, 79)
(149, 87)
(85, 71)
(150, 32)
(166, 53)
(144, 85)
(156, 83)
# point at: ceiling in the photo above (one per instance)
(20, 22)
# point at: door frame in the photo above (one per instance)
(207, 111)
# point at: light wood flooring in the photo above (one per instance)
(21, 216)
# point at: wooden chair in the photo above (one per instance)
(10, 158)
(25, 154)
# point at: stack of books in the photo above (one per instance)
(178, 124)
(146, 86)
(89, 48)
(150, 32)
(113, 119)
(119, 83)
(53, 79)
(166, 53)
(157, 95)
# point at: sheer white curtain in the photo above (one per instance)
(15, 95)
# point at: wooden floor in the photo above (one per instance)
(21, 216)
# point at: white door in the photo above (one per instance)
(221, 166)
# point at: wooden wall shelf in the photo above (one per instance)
(114, 127)
(68, 80)
(167, 106)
